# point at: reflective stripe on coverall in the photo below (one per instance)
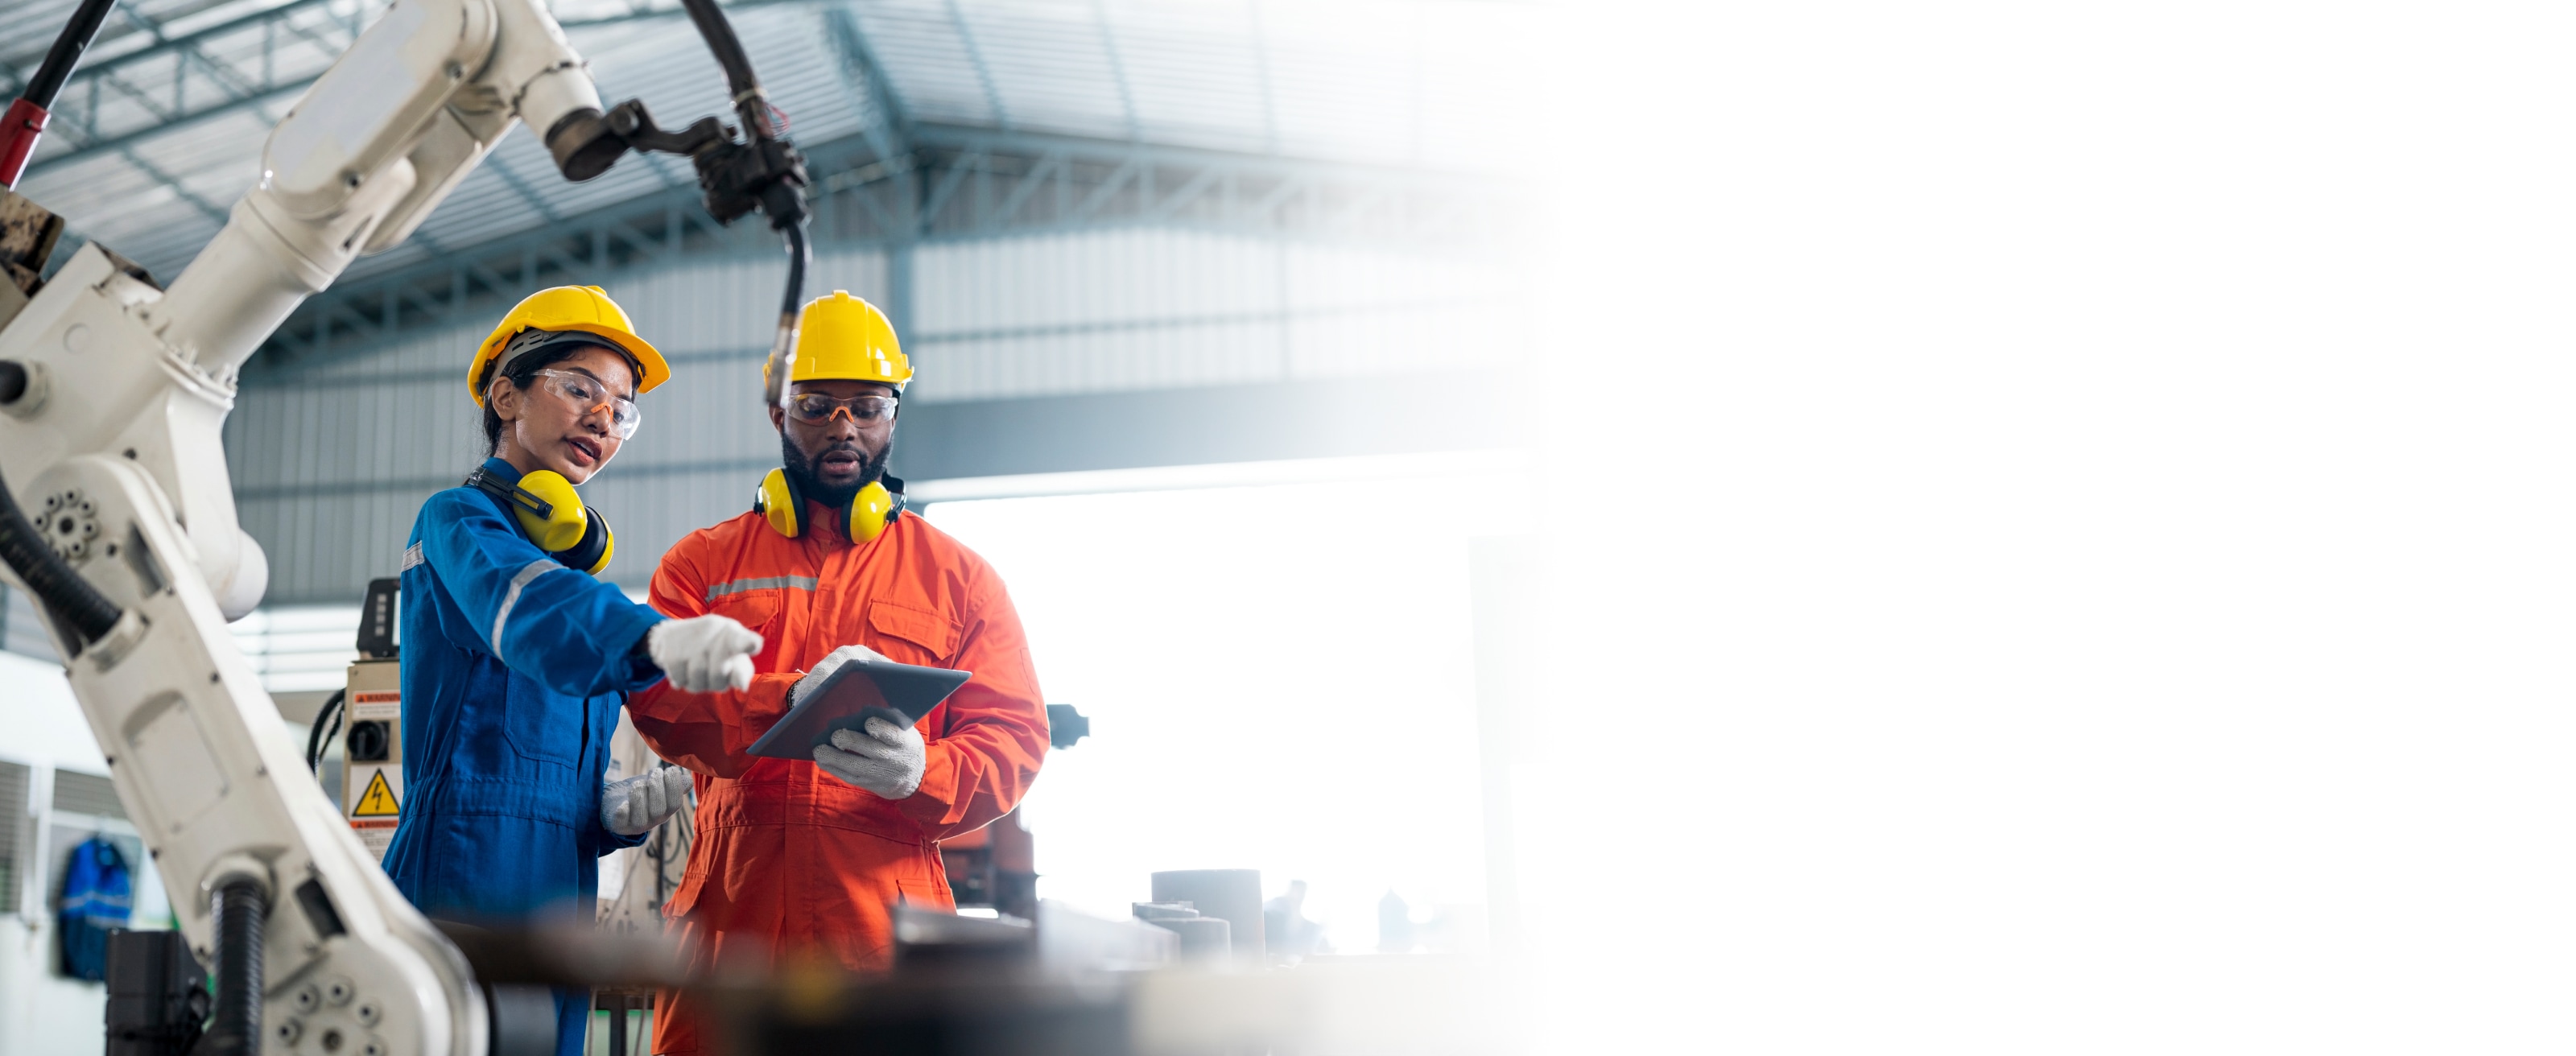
(789, 861)
(513, 667)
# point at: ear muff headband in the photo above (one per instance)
(873, 510)
(551, 512)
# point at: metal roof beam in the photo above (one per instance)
(1261, 71)
(211, 211)
(1048, 167)
(1117, 69)
(1113, 184)
(526, 193)
(165, 45)
(241, 89)
(983, 71)
(890, 130)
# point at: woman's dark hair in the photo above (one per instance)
(522, 373)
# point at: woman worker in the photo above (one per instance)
(515, 660)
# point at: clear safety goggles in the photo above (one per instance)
(816, 407)
(589, 397)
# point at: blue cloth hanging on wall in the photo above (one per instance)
(98, 895)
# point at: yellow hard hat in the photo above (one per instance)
(586, 309)
(844, 338)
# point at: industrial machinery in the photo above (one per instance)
(116, 515)
(116, 509)
(369, 714)
(995, 867)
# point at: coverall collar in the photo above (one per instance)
(501, 467)
(835, 521)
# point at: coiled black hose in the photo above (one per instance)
(63, 592)
(316, 740)
(241, 923)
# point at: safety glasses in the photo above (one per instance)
(588, 396)
(814, 407)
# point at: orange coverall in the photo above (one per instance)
(790, 861)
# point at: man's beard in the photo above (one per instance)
(807, 473)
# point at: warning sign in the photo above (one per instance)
(378, 801)
(381, 704)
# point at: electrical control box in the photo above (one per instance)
(371, 793)
(371, 773)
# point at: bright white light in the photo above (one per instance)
(2113, 584)
(300, 648)
(1278, 678)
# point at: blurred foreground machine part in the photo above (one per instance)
(1066, 984)
(990, 993)
(1203, 938)
(156, 994)
(1231, 895)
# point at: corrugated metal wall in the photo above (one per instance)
(330, 465)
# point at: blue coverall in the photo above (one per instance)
(513, 669)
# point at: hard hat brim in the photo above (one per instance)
(654, 369)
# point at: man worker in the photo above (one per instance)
(798, 860)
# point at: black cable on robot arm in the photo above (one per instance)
(66, 52)
(748, 99)
(49, 577)
(799, 254)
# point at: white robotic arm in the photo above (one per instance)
(114, 396)
(373, 146)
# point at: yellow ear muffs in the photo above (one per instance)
(557, 519)
(552, 513)
(778, 501)
(875, 507)
(870, 512)
(597, 544)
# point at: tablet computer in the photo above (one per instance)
(899, 693)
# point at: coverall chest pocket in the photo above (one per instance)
(759, 611)
(913, 636)
(542, 725)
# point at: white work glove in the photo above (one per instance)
(632, 806)
(887, 760)
(703, 654)
(823, 669)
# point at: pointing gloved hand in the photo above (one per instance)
(887, 760)
(703, 654)
(632, 806)
(823, 669)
